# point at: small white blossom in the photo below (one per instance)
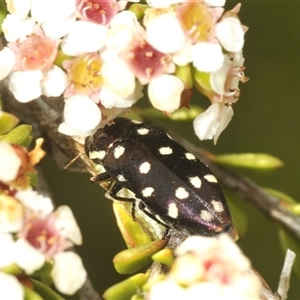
(35, 201)
(165, 92)
(54, 82)
(25, 85)
(162, 4)
(19, 8)
(10, 287)
(7, 250)
(230, 34)
(48, 10)
(81, 115)
(207, 57)
(58, 28)
(10, 162)
(67, 225)
(31, 259)
(215, 2)
(17, 29)
(117, 77)
(68, 272)
(84, 37)
(213, 121)
(7, 62)
(165, 34)
(110, 100)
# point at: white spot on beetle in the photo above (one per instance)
(143, 131)
(165, 150)
(196, 182)
(181, 193)
(121, 178)
(148, 191)
(119, 151)
(145, 168)
(173, 210)
(206, 215)
(217, 205)
(210, 178)
(97, 154)
(190, 156)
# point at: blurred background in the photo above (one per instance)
(267, 119)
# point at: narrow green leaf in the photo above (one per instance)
(288, 200)
(288, 241)
(133, 259)
(7, 122)
(19, 135)
(138, 9)
(164, 256)
(132, 232)
(124, 290)
(30, 294)
(261, 161)
(45, 291)
(185, 74)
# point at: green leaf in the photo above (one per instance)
(19, 135)
(7, 122)
(185, 74)
(281, 196)
(164, 256)
(126, 289)
(261, 161)
(33, 178)
(133, 259)
(288, 241)
(185, 114)
(138, 9)
(30, 294)
(46, 292)
(132, 232)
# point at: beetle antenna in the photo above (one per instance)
(73, 160)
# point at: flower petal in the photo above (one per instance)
(165, 92)
(54, 82)
(7, 62)
(81, 38)
(27, 257)
(10, 287)
(68, 272)
(25, 85)
(6, 250)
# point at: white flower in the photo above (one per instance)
(35, 201)
(81, 115)
(54, 82)
(17, 29)
(19, 8)
(30, 259)
(230, 34)
(67, 225)
(207, 57)
(10, 162)
(10, 287)
(164, 33)
(117, 77)
(7, 253)
(48, 10)
(68, 272)
(213, 121)
(110, 100)
(25, 85)
(84, 37)
(7, 62)
(165, 92)
(162, 4)
(56, 29)
(215, 2)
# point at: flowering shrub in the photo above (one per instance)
(101, 54)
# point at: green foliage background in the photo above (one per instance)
(267, 119)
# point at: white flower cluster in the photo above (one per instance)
(32, 233)
(208, 268)
(100, 54)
